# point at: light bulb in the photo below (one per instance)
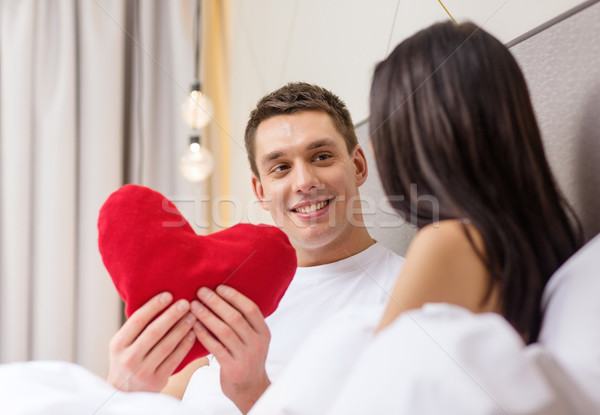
(196, 163)
(197, 110)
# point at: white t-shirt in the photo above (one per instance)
(315, 293)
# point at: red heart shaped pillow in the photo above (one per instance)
(148, 247)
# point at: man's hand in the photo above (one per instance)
(142, 358)
(232, 328)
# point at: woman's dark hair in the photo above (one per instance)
(451, 114)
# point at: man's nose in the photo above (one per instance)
(306, 179)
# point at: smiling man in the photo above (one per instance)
(308, 177)
(307, 167)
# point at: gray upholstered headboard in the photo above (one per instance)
(561, 62)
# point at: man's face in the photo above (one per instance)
(308, 181)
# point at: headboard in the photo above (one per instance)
(561, 63)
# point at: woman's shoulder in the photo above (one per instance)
(445, 263)
(449, 238)
(448, 258)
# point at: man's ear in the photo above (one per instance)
(361, 171)
(259, 192)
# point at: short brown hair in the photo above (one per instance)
(295, 97)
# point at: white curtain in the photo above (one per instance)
(89, 100)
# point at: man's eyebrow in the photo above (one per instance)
(273, 155)
(323, 142)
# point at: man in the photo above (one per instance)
(307, 167)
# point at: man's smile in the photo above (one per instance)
(311, 209)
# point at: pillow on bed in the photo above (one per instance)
(148, 247)
(571, 325)
(569, 396)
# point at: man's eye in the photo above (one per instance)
(279, 168)
(321, 157)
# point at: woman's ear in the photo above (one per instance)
(361, 171)
(259, 192)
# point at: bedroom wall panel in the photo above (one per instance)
(562, 68)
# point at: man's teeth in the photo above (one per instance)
(312, 208)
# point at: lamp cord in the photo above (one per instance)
(197, 43)
(440, 1)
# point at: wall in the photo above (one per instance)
(562, 69)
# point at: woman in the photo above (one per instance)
(451, 115)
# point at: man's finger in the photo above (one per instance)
(212, 318)
(158, 328)
(210, 343)
(162, 350)
(140, 318)
(245, 306)
(227, 313)
(170, 364)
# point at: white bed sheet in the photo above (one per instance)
(61, 388)
(438, 359)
